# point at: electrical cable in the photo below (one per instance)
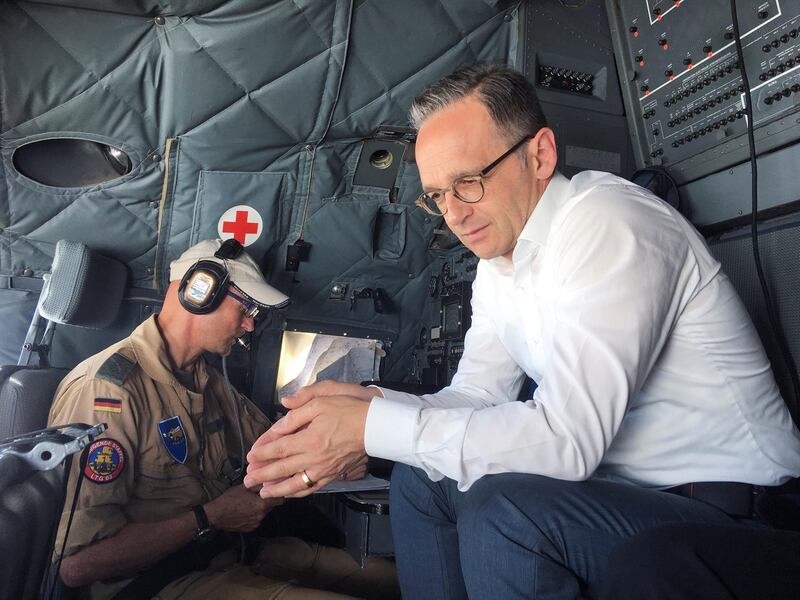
(51, 580)
(240, 471)
(235, 406)
(794, 406)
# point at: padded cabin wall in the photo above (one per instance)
(220, 104)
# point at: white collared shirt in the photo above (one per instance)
(648, 366)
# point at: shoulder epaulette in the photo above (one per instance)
(116, 369)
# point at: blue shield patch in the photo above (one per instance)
(174, 438)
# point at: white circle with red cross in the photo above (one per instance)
(242, 223)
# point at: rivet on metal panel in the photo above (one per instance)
(159, 20)
(155, 157)
(411, 276)
(27, 272)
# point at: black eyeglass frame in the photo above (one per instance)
(480, 175)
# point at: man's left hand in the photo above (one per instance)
(323, 438)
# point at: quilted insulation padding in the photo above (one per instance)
(226, 103)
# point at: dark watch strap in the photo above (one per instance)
(204, 530)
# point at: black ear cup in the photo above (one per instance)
(203, 287)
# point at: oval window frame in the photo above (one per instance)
(106, 153)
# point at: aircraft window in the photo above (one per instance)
(71, 163)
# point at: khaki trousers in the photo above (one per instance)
(288, 569)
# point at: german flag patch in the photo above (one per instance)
(110, 405)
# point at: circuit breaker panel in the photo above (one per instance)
(682, 79)
(445, 319)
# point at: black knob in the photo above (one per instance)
(707, 48)
(687, 61)
(633, 29)
(728, 35)
(763, 14)
(784, 38)
(668, 73)
(645, 88)
(774, 43)
(766, 48)
(662, 42)
(656, 11)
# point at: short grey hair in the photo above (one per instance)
(507, 95)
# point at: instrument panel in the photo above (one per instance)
(682, 78)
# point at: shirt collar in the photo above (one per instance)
(537, 228)
(151, 355)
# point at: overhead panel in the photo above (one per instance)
(683, 85)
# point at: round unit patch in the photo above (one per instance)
(106, 461)
(242, 223)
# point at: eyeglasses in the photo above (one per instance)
(249, 309)
(468, 188)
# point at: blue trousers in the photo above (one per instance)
(520, 536)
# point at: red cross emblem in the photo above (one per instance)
(241, 223)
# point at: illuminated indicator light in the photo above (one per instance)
(671, 77)
(710, 54)
(658, 17)
(689, 66)
(641, 63)
(647, 93)
(666, 46)
(635, 34)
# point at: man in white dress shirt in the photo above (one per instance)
(650, 373)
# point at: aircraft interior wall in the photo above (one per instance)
(280, 116)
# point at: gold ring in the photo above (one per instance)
(306, 479)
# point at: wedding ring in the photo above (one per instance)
(306, 479)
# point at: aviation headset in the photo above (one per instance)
(204, 285)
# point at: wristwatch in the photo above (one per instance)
(205, 532)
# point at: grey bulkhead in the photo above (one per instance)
(219, 104)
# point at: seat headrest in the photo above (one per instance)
(85, 287)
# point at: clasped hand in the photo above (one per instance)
(322, 435)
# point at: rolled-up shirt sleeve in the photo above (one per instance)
(610, 298)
